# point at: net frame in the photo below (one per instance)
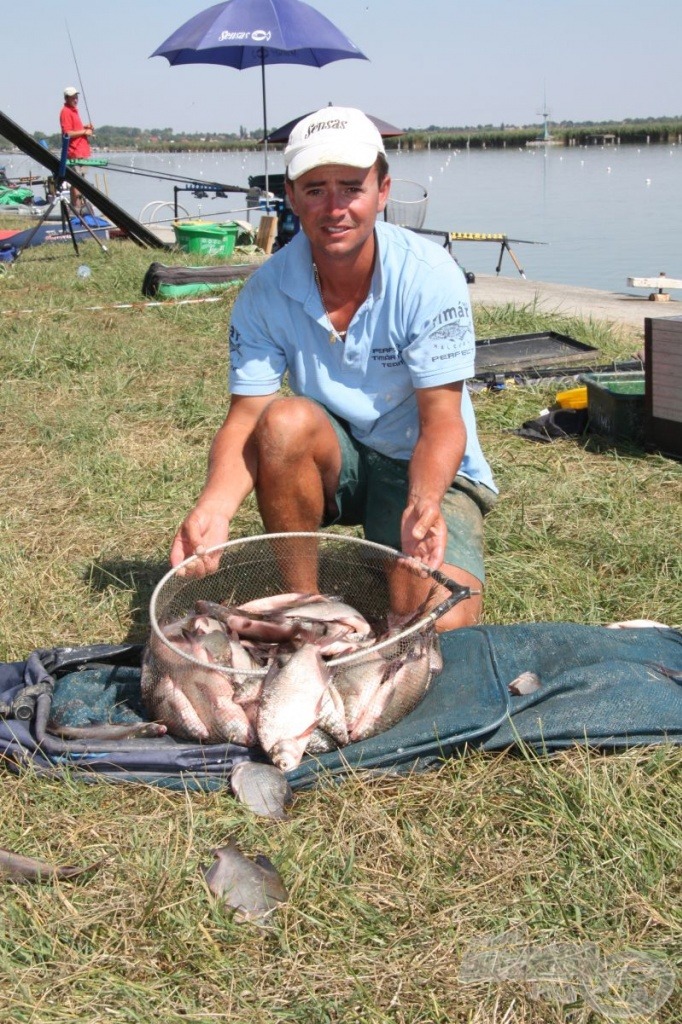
(179, 579)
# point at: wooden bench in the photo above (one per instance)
(659, 282)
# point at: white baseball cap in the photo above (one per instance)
(333, 135)
(70, 91)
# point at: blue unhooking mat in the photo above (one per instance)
(607, 688)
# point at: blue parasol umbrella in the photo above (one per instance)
(252, 33)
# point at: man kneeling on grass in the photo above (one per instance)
(373, 325)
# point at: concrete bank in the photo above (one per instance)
(629, 309)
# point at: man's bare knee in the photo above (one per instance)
(286, 421)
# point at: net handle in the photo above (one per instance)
(457, 593)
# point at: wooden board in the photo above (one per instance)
(654, 282)
(663, 384)
(267, 232)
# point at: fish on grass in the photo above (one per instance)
(262, 788)
(17, 868)
(252, 888)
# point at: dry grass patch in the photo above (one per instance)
(391, 881)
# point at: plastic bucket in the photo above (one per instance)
(206, 238)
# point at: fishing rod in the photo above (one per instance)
(78, 72)
(169, 176)
(161, 175)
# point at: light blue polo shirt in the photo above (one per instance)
(414, 330)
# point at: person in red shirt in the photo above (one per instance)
(79, 135)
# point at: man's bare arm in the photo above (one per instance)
(435, 461)
(231, 477)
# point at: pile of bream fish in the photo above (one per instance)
(205, 686)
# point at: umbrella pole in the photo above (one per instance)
(265, 124)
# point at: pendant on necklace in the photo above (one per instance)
(334, 335)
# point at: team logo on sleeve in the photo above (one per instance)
(451, 332)
(235, 346)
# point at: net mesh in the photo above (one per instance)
(383, 585)
(407, 204)
(399, 597)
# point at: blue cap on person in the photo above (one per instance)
(333, 135)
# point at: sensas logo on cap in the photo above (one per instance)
(321, 126)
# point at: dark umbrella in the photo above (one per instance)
(282, 134)
(252, 33)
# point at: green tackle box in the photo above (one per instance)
(615, 404)
(206, 238)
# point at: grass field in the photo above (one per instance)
(106, 416)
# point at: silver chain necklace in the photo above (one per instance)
(334, 335)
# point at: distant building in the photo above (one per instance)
(603, 139)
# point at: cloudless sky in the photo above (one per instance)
(440, 62)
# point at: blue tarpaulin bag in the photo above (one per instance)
(607, 688)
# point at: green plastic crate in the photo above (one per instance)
(206, 238)
(615, 404)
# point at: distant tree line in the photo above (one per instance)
(568, 133)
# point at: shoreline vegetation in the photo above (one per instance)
(636, 131)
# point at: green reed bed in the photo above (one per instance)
(106, 417)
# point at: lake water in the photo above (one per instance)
(605, 213)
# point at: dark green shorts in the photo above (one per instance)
(372, 493)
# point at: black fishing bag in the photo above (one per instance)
(178, 282)
(608, 688)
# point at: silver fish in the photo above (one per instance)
(257, 627)
(162, 697)
(18, 868)
(435, 653)
(220, 649)
(247, 689)
(294, 707)
(108, 730)
(202, 625)
(403, 687)
(290, 706)
(322, 620)
(213, 646)
(339, 640)
(358, 684)
(527, 682)
(332, 718)
(167, 700)
(275, 603)
(320, 742)
(253, 888)
(330, 609)
(194, 703)
(263, 788)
